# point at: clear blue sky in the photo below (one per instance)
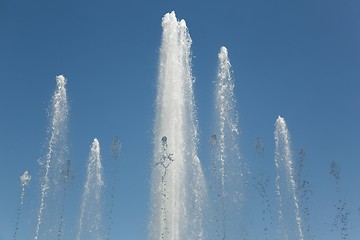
(299, 59)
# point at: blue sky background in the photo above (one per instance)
(299, 59)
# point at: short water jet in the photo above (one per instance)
(25, 179)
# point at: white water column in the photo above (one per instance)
(177, 182)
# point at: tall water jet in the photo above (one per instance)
(90, 222)
(289, 211)
(177, 182)
(25, 179)
(227, 168)
(51, 184)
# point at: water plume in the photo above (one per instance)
(24, 179)
(177, 182)
(90, 222)
(229, 168)
(55, 159)
(286, 184)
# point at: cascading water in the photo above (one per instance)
(90, 222)
(177, 183)
(49, 214)
(290, 221)
(227, 167)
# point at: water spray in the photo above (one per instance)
(227, 165)
(90, 222)
(56, 150)
(285, 179)
(176, 119)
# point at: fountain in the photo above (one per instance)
(49, 214)
(184, 202)
(228, 169)
(177, 182)
(290, 221)
(90, 222)
(25, 179)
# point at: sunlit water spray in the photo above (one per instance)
(177, 182)
(51, 185)
(228, 168)
(285, 184)
(25, 179)
(90, 222)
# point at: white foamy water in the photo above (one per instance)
(177, 183)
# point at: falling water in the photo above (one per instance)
(50, 198)
(285, 184)
(25, 179)
(90, 222)
(178, 186)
